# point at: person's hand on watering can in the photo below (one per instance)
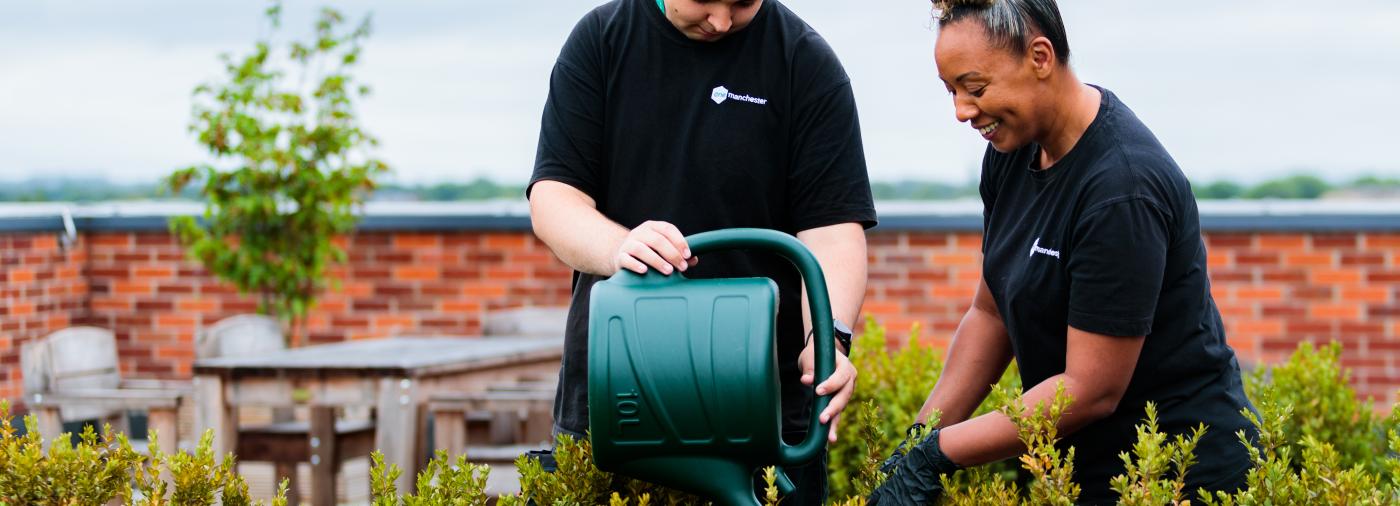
(654, 244)
(842, 382)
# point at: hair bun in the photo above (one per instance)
(943, 8)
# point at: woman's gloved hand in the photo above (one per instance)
(916, 477)
(887, 466)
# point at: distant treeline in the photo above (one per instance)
(96, 190)
(84, 190)
(1297, 187)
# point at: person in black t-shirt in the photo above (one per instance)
(676, 117)
(1094, 271)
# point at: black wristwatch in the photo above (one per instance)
(843, 334)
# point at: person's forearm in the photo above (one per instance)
(568, 221)
(1098, 368)
(840, 249)
(977, 356)
(993, 437)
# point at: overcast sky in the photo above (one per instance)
(1242, 89)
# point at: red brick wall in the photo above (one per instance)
(1274, 290)
(394, 283)
(42, 289)
(922, 278)
(1277, 290)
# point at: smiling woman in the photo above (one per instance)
(1093, 275)
(971, 57)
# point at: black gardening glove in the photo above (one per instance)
(887, 466)
(917, 478)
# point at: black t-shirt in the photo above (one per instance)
(1108, 241)
(757, 129)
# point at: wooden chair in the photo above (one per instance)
(72, 375)
(286, 441)
(240, 335)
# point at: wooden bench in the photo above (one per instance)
(514, 416)
(323, 441)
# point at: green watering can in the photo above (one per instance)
(683, 373)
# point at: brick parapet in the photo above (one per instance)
(1274, 289)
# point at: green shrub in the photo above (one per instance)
(1318, 477)
(1392, 464)
(1321, 444)
(894, 383)
(890, 390)
(91, 472)
(1313, 384)
(980, 486)
(1317, 445)
(1050, 469)
(442, 482)
(1155, 472)
(1052, 472)
(97, 472)
(866, 420)
(578, 482)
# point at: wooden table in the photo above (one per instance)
(394, 376)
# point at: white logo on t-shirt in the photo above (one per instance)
(1035, 248)
(720, 93)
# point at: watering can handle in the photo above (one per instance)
(820, 307)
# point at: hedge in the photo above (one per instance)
(1318, 445)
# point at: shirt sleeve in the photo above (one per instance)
(828, 183)
(570, 146)
(1118, 259)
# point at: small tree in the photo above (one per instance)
(296, 165)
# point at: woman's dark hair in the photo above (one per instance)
(1010, 23)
